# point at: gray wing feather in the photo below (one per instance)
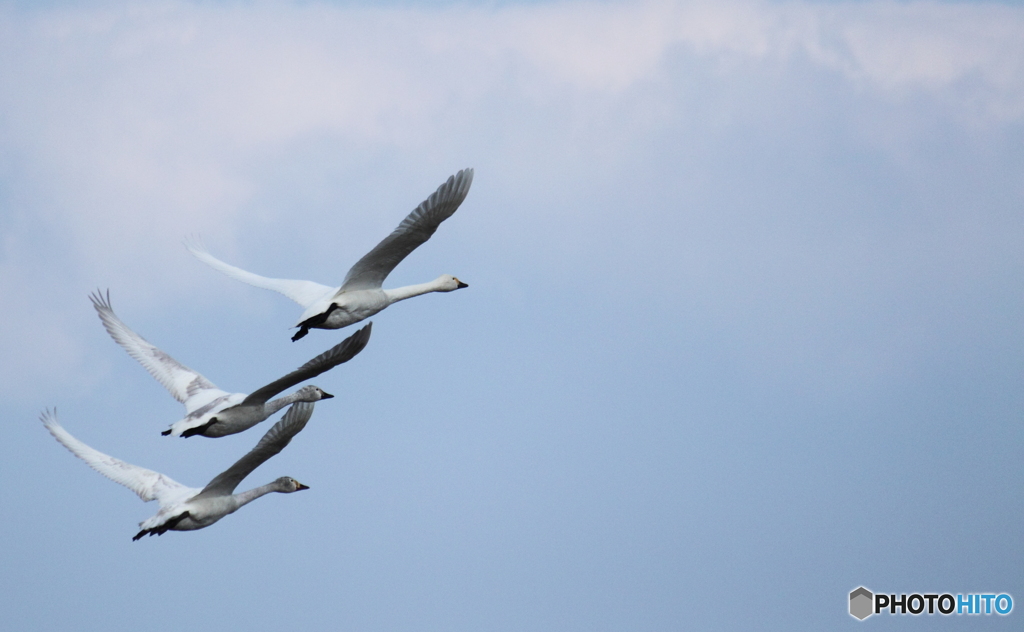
(149, 485)
(370, 271)
(273, 442)
(182, 382)
(338, 354)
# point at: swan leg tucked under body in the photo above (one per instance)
(186, 508)
(361, 294)
(209, 411)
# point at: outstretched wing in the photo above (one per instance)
(149, 485)
(304, 293)
(182, 382)
(338, 354)
(370, 271)
(273, 442)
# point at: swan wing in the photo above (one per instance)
(182, 382)
(338, 354)
(370, 271)
(149, 485)
(305, 293)
(273, 442)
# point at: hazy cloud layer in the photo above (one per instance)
(129, 125)
(734, 268)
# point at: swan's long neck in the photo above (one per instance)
(275, 405)
(409, 291)
(247, 497)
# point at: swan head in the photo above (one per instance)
(312, 393)
(287, 485)
(448, 283)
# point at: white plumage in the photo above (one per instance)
(187, 508)
(361, 294)
(209, 411)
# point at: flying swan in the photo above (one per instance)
(361, 295)
(187, 508)
(209, 411)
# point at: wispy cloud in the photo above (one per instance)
(127, 126)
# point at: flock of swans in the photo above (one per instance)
(211, 412)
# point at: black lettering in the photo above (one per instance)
(893, 603)
(952, 603)
(911, 600)
(881, 601)
(931, 603)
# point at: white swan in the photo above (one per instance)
(360, 295)
(209, 411)
(187, 508)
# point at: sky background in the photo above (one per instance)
(743, 330)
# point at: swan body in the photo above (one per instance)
(346, 308)
(232, 414)
(361, 294)
(209, 411)
(187, 508)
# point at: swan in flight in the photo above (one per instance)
(187, 508)
(361, 295)
(209, 411)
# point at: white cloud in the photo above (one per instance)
(128, 126)
(749, 252)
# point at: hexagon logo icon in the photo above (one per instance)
(861, 601)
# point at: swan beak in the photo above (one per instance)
(461, 284)
(301, 487)
(326, 396)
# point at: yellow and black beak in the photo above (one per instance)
(461, 284)
(300, 486)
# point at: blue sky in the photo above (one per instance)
(742, 332)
